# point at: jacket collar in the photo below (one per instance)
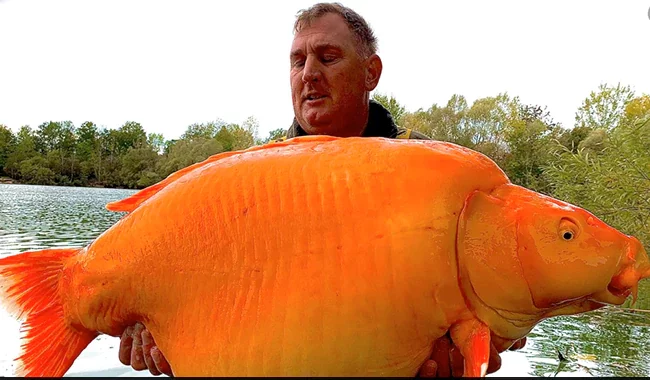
(380, 124)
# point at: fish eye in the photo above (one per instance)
(568, 229)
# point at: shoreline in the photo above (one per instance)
(11, 181)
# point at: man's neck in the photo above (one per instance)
(358, 126)
(378, 122)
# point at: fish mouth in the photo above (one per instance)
(636, 267)
(614, 295)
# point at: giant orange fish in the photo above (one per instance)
(322, 256)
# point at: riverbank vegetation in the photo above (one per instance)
(602, 162)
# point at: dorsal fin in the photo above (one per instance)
(131, 203)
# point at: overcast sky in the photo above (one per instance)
(168, 64)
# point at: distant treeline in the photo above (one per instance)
(602, 162)
(58, 153)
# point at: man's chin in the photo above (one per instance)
(317, 124)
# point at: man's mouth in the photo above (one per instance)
(312, 97)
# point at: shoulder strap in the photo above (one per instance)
(405, 135)
(280, 139)
(410, 134)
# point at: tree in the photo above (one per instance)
(604, 108)
(35, 171)
(245, 135)
(7, 145)
(274, 135)
(138, 167)
(487, 121)
(88, 152)
(24, 149)
(130, 135)
(156, 141)
(530, 137)
(204, 130)
(184, 152)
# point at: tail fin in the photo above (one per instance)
(29, 286)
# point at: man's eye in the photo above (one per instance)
(298, 63)
(328, 58)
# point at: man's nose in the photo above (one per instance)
(312, 70)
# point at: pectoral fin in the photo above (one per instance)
(472, 337)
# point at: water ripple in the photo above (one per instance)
(36, 217)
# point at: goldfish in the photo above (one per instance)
(322, 256)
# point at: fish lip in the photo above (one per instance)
(612, 295)
(625, 282)
(616, 292)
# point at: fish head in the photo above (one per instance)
(524, 256)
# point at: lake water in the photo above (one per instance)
(608, 342)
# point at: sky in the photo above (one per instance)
(169, 64)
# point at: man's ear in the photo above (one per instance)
(373, 71)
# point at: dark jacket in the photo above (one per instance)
(380, 124)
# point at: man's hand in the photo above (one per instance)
(138, 349)
(447, 361)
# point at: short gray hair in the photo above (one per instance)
(358, 26)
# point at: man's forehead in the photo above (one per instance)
(323, 32)
(302, 48)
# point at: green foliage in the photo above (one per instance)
(206, 131)
(530, 137)
(35, 171)
(156, 141)
(57, 153)
(24, 149)
(274, 135)
(138, 165)
(604, 108)
(183, 153)
(7, 145)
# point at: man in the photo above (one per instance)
(334, 67)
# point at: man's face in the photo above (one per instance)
(330, 81)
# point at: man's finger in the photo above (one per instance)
(440, 355)
(428, 369)
(126, 342)
(137, 358)
(161, 363)
(457, 362)
(518, 344)
(147, 346)
(495, 360)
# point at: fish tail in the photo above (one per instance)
(30, 289)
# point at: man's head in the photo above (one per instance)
(334, 67)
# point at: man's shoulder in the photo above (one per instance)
(402, 133)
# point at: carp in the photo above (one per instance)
(322, 256)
